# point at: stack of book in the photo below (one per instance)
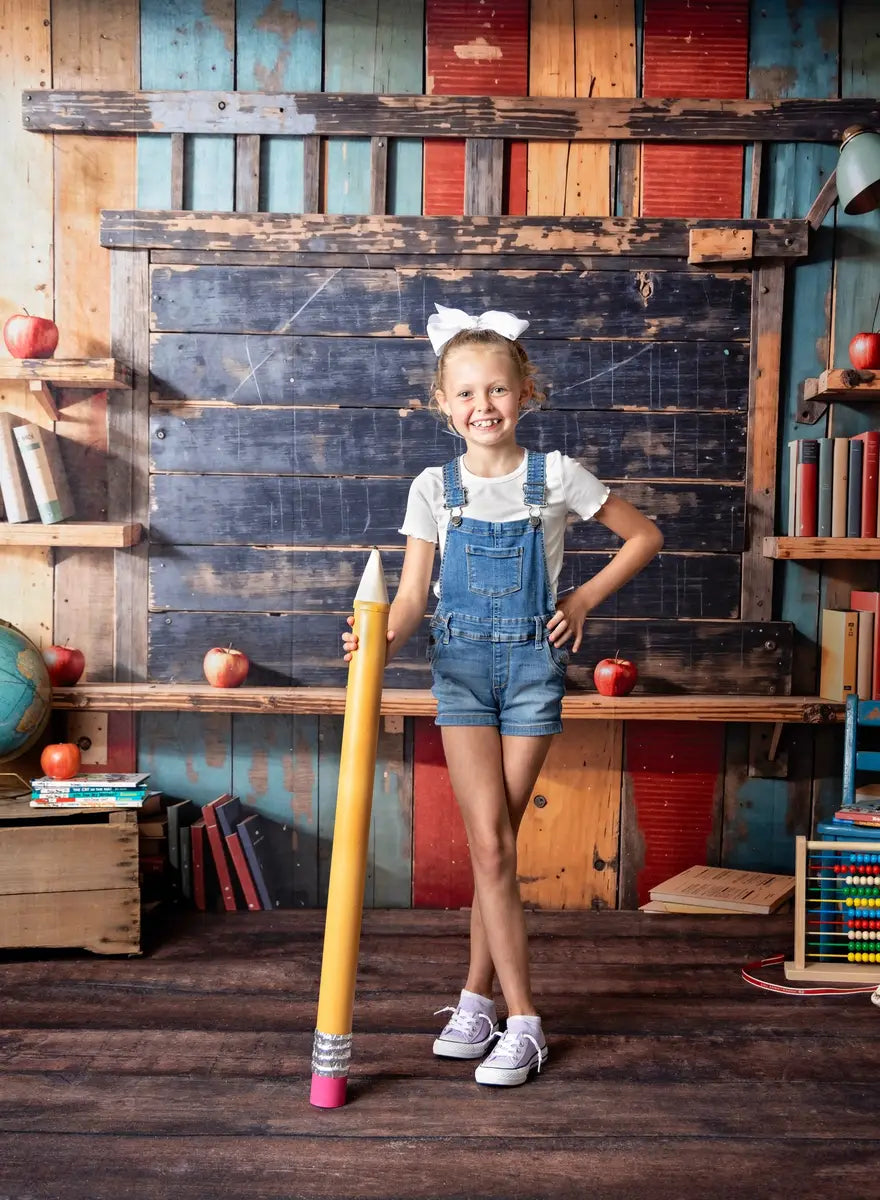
(833, 486)
(227, 857)
(110, 790)
(864, 811)
(849, 649)
(720, 890)
(32, 478)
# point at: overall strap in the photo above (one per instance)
(535, 486)
(454, 492)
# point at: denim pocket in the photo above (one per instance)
(559, 657)
(493, 572)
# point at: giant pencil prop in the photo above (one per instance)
(348, 865)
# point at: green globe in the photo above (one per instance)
(25, 692)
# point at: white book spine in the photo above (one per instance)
(45, 472)
(17, 498)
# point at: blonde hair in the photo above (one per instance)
(488, 339)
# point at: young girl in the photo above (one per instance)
(500, 640)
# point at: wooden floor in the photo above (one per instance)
(185, 1073)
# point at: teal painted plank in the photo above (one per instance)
(793, 52)
(373, 46)
(275, 772)
(187, 44)
(388, 882)
(279, 48)
(188, 755)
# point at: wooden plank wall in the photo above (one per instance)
(286, 766)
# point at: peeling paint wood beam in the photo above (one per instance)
(283, 233)
(377, 115)
(483, 177)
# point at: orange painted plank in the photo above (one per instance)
(474, 49)
(697, 49)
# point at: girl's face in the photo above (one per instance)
(482, 394)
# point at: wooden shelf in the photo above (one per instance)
(408, 702)
(105, 535)
(816, 547)
(43, 374)
(849, 385)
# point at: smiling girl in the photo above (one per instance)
(499, 645)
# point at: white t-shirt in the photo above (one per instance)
(571, 489)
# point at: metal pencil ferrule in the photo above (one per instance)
(331, 1054)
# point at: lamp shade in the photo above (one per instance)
(858, 171)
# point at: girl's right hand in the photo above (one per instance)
(350, 642)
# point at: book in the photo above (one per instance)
(838, 647)
(855, 816)
(791, 509)
(228, 816)
(18, 500)
(180, 815)
(864, 654)
(807, 488)
(854, 489)
(200, 853)
(184, 850)
(663, 906)
(45, 471)
(870, 465)
(870, 602)
(726, 888)
(839, 485)
(826, 467)
(113, 780)
(253, 834)
(107, 800)
(219, 854)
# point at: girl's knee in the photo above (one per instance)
(493, 856)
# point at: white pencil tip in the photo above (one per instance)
(372, 587)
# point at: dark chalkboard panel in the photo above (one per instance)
(294, 511)
(270, 579)
(700, 657)
(322, 441)
(664, 304)
(396, 372)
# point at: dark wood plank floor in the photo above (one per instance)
(186, 1073)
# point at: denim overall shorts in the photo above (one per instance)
(491, 660)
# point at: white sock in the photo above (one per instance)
(484, 1003)
(530, 1024)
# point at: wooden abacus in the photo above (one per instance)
(836, 912)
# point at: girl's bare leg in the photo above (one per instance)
(492, 778)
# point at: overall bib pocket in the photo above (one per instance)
(492, 572)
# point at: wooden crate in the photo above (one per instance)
(69, 878)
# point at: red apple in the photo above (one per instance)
(225, 667)
(65, 665)
(30, 337)
(61, 761)
(864, 351)
(615, 676)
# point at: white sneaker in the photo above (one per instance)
(468, 1033)
(516, 1054)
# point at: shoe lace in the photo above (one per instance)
(463, 1021)
(510, 1045)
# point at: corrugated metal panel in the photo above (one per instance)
(694, 49)
(675, 777)
(474, 49)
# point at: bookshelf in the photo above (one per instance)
(821, 548)
(43, 375)
(847, 385)
(97, 535)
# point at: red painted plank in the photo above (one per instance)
(694, 49)
(441, 862)
(474, 49)
(675, 773)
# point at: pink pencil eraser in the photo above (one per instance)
(327, 1091)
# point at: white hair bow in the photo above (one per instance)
(447, 322)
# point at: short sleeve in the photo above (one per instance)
(420, 520)
(584, 493)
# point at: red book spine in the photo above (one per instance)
(218, 850)
(807, 510)
(870, 474)
(244, 876)
(197, 838)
